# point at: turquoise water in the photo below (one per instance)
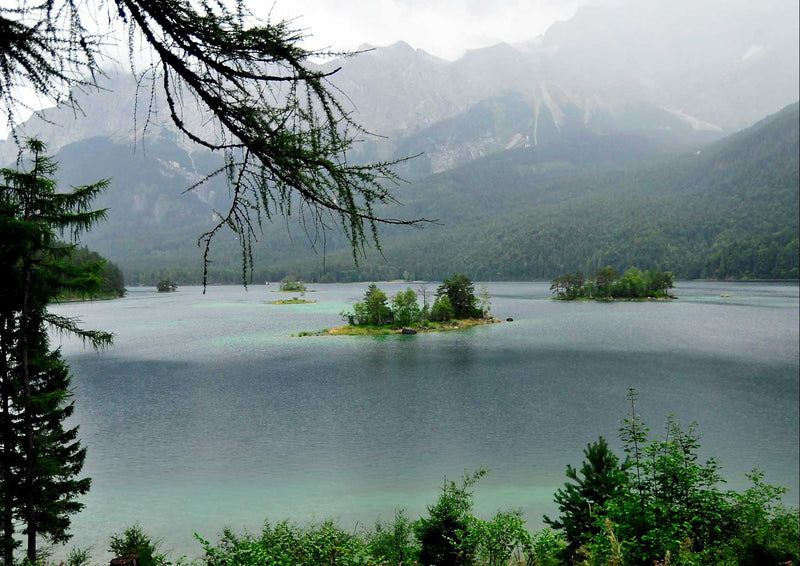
(208, 413)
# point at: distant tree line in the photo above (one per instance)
(608, 284)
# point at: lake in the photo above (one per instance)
(208, 413)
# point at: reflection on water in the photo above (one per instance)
(207, 412)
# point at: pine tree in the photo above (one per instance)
(41, 458)
(581, 501)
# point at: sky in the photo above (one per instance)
(445, 28)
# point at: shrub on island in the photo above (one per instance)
(455, 299)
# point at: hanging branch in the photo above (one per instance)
(284, 134)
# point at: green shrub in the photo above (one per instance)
(445, 536)
(134, 540)
(286, 544)
(394, 541)
(289, 284)
(442, 310)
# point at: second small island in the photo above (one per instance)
(608, 285)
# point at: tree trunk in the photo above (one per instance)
(7, 431)
(30, 456)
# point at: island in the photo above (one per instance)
(455, 306)
(290, 284)
(292, 301)
(166, 286)
(608, 285)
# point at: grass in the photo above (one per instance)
(386, 330)
(292, 301)
(615, 299)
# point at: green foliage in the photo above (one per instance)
(230, 66)
(667, 507)
(461, 292)
(405, 309)
(671, 496)
(286, 544)
(484, 301)
(545, 548)
(79, 557)
(41, 455)
(446, 536)
(166, 286)
(394, 541)
(134, 541)
(373, 310)
(499, 538)
(633, 284)
(112, 280)
(686, 521)
(291, 284)
(442, 310)
(766, 532)
(581, 501)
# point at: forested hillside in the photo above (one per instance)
(728, 211)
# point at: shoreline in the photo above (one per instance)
(448, 326)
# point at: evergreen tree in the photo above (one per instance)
(41, 458)
(581, 501)
(444, 535)
(461, 292)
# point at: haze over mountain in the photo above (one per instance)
(611, 89)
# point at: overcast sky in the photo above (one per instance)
(445, 28)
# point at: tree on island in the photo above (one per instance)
(41, 456)
(166, 286)
(289, 283)
(277, 120)
(461, 292)
(404, 310)
(373, 310)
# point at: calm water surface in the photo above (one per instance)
(208, 413)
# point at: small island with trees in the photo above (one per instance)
(608, 285)
(291, 285)
(454, 306)
(166, 286)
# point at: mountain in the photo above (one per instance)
(678, 67)
(728, 211)
(504, 135)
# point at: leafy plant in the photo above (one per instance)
(445, 536)
(582, 500)
(286, 544)
(394, 541)
(134, 541)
